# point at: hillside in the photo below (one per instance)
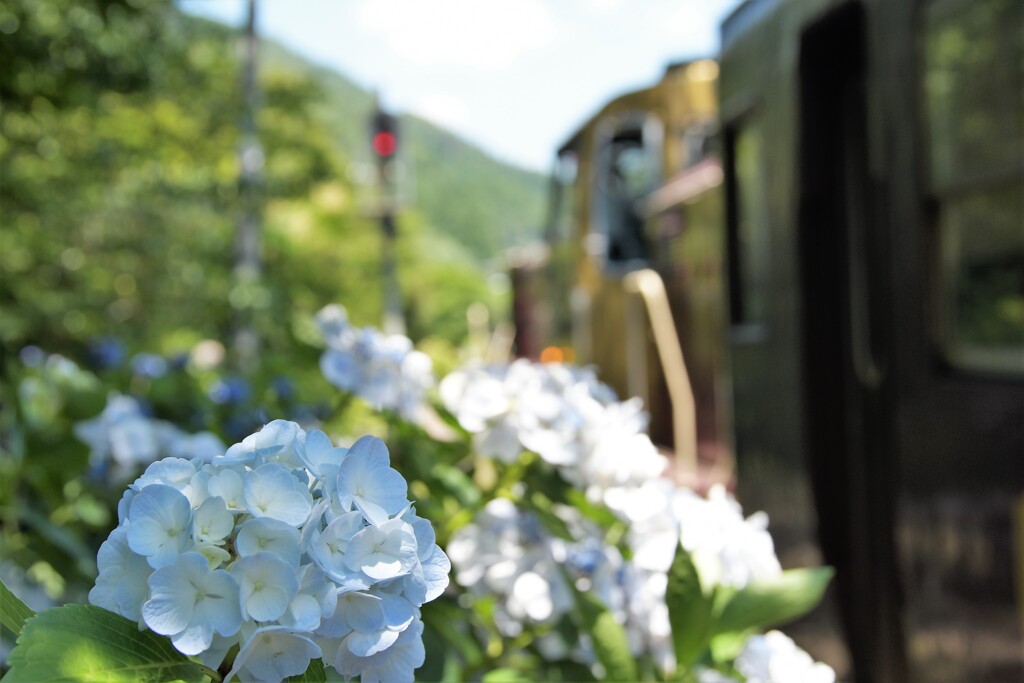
(483, 204)
(120, 194)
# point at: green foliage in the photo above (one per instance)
(89, 644)
(609, 638)
(770, 602)
(689, 610)
(712, 627)
(316, 673)
(13, 612)
(505, 676)
(473, 201)
(118, 150)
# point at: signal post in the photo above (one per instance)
(384, 145)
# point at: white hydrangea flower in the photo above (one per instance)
(562, 413)
(507, 553)
(385, 370)
(599, 445)
(726, 548)
(774, 658)
(280, 547)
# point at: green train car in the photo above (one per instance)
(835, 212)
(874, 176)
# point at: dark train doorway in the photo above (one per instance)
(842, 270)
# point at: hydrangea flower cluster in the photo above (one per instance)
(772, 657)
(598, 444)
(385, 370)
(507, 552)
(727, 549)
(126, 439)
(285, 545)
(562, 413)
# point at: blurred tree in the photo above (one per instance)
(118, 141)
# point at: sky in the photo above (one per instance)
(515, 77)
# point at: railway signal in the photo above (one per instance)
(384, 145)
(384, 140)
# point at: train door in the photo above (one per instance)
(847, 387)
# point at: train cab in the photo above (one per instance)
(634, 239)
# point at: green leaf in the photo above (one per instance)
(450, 623)
(85, 557)
(611, 643)
(726, 647)
(770, 602)
(13, 612)
(596, 512)
(543, 508)
(89, 644)
(689, 610)
(314, 674)
(458, 484)
(505, 676)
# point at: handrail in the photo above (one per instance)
(649, 285)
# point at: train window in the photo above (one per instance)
(628, 170)
(564, 176)
(748, 226)
(974, 68)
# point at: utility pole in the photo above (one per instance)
(384, 143)
(248, 235)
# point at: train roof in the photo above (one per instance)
(744, 18)
(671, 69)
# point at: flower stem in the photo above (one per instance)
(210, 673)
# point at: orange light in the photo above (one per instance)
(384, 143)
(552, 354)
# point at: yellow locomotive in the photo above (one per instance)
(630, 278)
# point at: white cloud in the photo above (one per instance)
(603, 6)
(487, 34)
(693, 19)
(443, 110)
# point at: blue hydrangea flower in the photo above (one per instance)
(367, 481)
(272, 654)
(282, 548)
(189, 602)
(149, 365)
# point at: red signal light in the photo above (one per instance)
(384, 143)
